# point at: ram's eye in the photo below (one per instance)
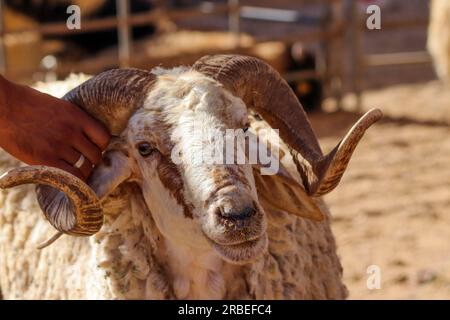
(145, 149)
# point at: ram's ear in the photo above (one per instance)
(114, 169)
(282, 192)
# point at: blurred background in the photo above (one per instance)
(392, 207)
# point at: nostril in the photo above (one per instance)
(245, 213)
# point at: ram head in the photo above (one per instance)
(155, 119)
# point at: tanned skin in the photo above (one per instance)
(39, 129)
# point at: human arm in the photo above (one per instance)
(39, 129)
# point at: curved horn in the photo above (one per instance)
(69, 192)
(113, 96)
(262, 88)
(68, 203)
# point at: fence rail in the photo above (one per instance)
(361, 62)
(137, 19)
(398, 58)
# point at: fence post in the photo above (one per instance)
(333, 47)
(123, 33)
(234, 20)
(325, 49)
(356, 54)
(2, 40)
(339, 44)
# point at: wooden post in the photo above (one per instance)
(325, 49)
(339, 58)
(332, 47)
(355, 46)
(2, 41)
(123, 33)
(234, 20)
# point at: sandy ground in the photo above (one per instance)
(392, 207)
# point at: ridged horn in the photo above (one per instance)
(263, 89)
(113, 96)
(70, 194)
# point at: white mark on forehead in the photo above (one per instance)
(182, 101)
(141, 120)
(180, 88)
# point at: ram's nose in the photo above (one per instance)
(237, 213)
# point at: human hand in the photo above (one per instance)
(39, 129)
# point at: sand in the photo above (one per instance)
(392, 206)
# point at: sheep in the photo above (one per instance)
(438, 42)
(165, 225)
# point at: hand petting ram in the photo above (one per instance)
(185, 229)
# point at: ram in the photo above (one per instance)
(439, 37)
(166, 224)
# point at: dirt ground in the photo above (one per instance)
(392, 206)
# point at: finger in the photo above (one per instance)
(88, 149)
(71, 156)
(61, 164)
(86, 168)
(97, 133)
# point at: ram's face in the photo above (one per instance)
(195, 198)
